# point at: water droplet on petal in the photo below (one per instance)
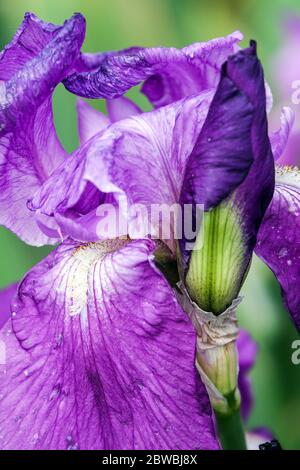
(71, 444)
(283, 252)
(56, 391)
(35, 438)
(58, 341)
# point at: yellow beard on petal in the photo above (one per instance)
(80, 265)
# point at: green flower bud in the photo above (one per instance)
(218, 263)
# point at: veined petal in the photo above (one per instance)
(247, 350)
(171, 74)
(102, 357)
(150, 147)
(38, 58)
(198, 70)
(6, 296)
(278, 238)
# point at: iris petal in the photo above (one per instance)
(102, 357)
(247, 349)
(122, 108)
(279, 139)
(151, 147)
(278, 238)
(6, 296)
(171, 74)
(90, 121)
(38, 58)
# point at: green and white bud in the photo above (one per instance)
(218, 262)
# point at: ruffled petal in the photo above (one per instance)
(156, 147)
(101, 357)
(198, 70)
(38, 58)
(171, 74)
(278, 238)
(6, 296)
(90, 121)
(151, 147)
(247, 349)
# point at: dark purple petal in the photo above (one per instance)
(37, 59)
(223, 151)
(233, 139)
(253, 196)
(6, 296)
(215, 271)
(171, 74)
(102, 357)
(278, 238)
(247, 350)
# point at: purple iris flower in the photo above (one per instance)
(94, 350)
(213, 148)
(95, 356)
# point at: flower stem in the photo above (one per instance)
(231, 430)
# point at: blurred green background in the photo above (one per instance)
(117, 24)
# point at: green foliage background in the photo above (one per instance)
(117, 24)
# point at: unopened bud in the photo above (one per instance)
(219, 262)
(218, 368)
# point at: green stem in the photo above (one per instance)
(231, 430)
